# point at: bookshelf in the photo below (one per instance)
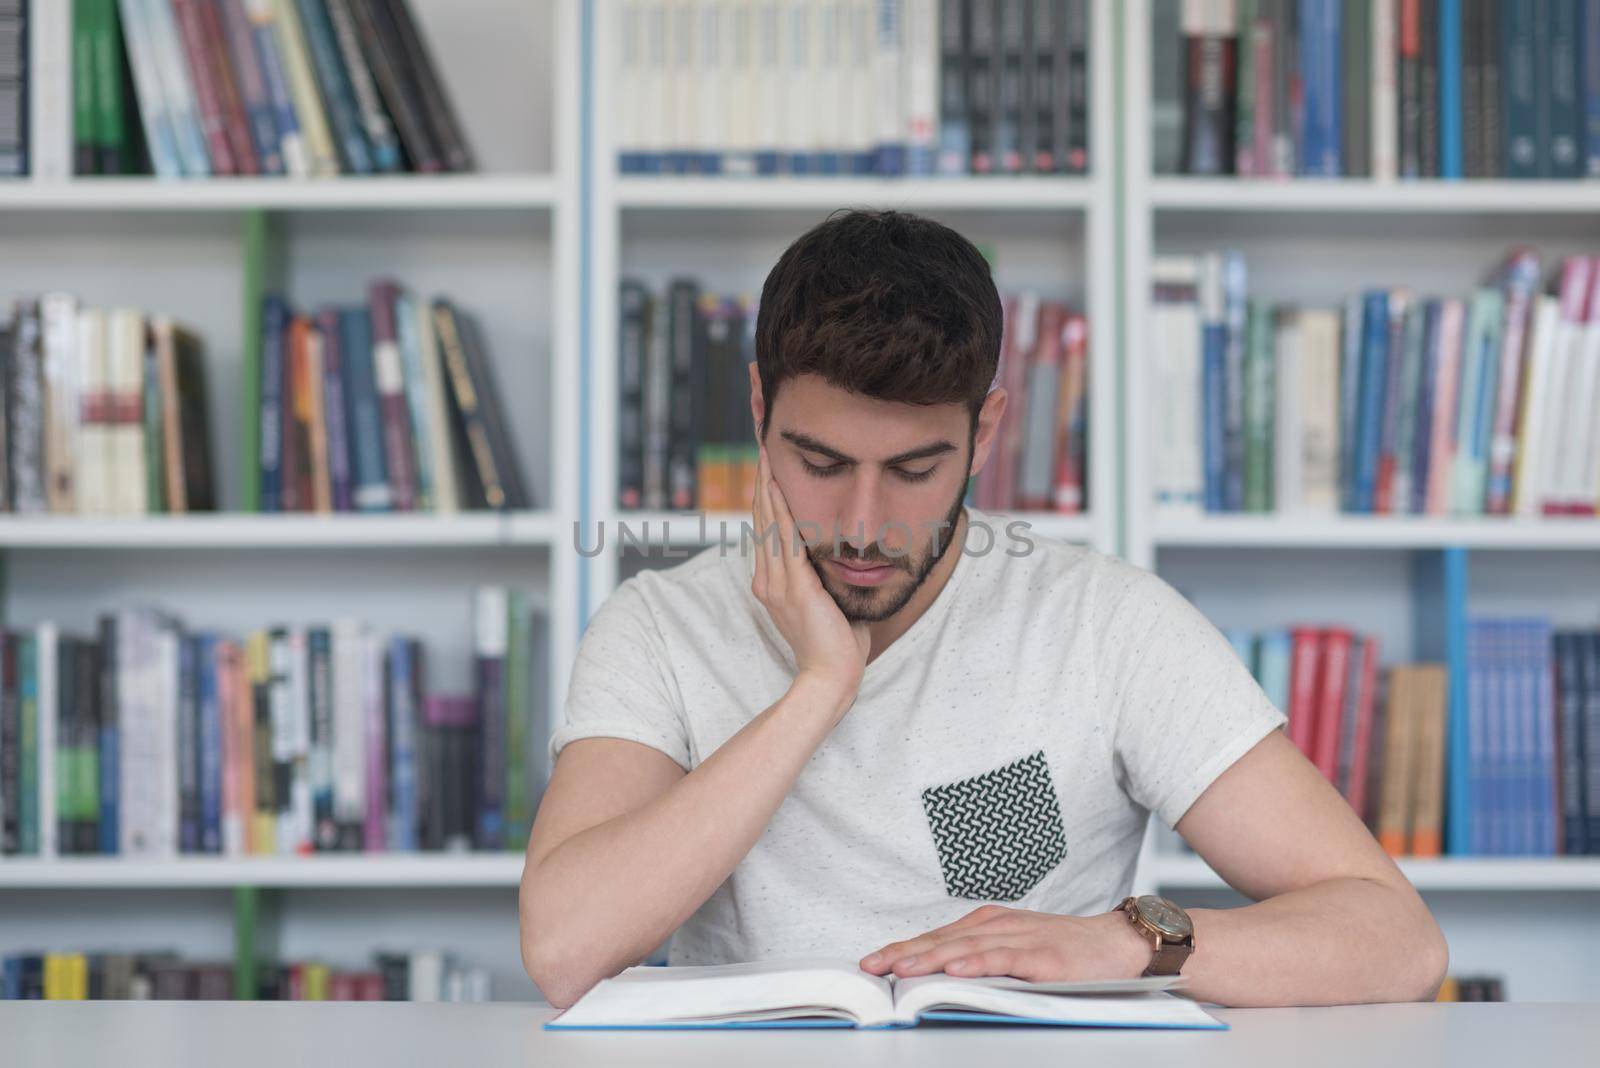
(504, 242)
(1316, 240)
(1045, 233)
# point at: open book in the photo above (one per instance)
(836, 993)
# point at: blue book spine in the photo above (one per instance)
(1450, 154)
(252, 85)
(188, 746)
(1214, 340)
(1374, 374)
(339, 97)
(1235, 302)
(1422, 442)
(1518, 107)
(1320, 59)
(1569, 656)
(407, 326)
(1272, 656)
(1478, 650)
(1488, 380)
(210, 749)
(402, 742)
(11, 979)
(1349, 400)
(363, 420)
(275, 334)
(1540, 642)
(163, 29)
(1589, 68)
(285, 119)
(1591, 743)
(109, 740)
(1562, 65)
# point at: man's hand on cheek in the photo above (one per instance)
(1036, 946)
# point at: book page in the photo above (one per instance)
(758, 990)
(1112, 1003)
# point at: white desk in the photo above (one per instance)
(386, 1035)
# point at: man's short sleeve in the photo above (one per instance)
(622, 684)
(1186, 707)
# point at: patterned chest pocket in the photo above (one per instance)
(998, 834)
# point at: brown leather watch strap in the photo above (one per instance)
(1169, 957)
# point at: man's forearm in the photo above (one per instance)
(610, 894)
(1344, 941)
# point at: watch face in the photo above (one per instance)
(1164, 916)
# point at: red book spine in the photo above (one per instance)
(1330, 700)
(213, 123)
(1069, 417)
(1367, 695)
(1303, 656)
(233, 115)
(295, 499)
(397, 431)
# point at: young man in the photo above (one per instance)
(888, 736)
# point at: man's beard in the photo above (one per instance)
(856, 602)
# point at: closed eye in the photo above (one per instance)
(829, 470)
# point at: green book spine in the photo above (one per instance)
(1260, 387)
(110, 119)
(28, 739)
(255, 274)
(155, 499)
(1244, 138)
(519, 816)
(245, 901)
(84, 20)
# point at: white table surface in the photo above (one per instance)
(176, 1034)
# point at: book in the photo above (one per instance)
(833, 993)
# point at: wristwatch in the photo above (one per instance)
(1167, 926)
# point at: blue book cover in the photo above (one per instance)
(337, 95)
(1374, 376)
(363, 419)
(210, 747)
(1542, 684)
(1450, 154)
(402, 747)
(275, 334)
(1589, 71)
(1484, 345)
(1244, 647)
(1322, 88)
(1478, 652)
(1562, 66)
(1272, 661)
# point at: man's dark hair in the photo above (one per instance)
(885, 304)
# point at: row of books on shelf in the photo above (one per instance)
(882, 87)
(163, 975)
(391, 406)
(151, 740)
(1380, 88)
(105, 412)
(1527, 724)
(1472, 988)
(1397, 403)
(193, 88)
(1040, 462)
(686, 439)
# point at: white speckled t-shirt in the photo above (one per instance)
(1008, 747)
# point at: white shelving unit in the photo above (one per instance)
(505, 244)
(1316, 241)
(1047, 234)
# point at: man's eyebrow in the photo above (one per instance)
(810, 444)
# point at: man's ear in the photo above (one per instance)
(758, 404)
(994, 407)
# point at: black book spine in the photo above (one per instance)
(381, 46)
(1012, 36)
(981, 99)
(395, 968)
(491, 770)
(441, 117)
(66, 711)
(107, 738)
(633, 302)
(681, 444)
(1519, 94)
(483, 380)
(1410, 91)
(87, 826)
(1562, 66)
(955, 141)
(657, 400)
(1491, 125)
(1472, 89)
(1356, 53)
(1208, 111)
(1569, 719)
(1039, 113)
(1591, 741)
(319, 654)
(1077, 98)
(1428, 53)
(266, 804)
(10, 746)
(188, 744)
(25, 414)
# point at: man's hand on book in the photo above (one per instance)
(827, 647)
(1037, 946)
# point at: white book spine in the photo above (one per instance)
(827, 99)
(136, 786)
(1319, 393)
(154, 113)
(682, 120)
(1527, 498)
(59, 312)
(710, 90)
(349, 726)
(654, 99)
(173, 71)
(799, 109)
(165, 723)
(740, 86)
(1559, 428)
(49, 69)
(627, 100)
(1289, 431)
(888, 87)
(1385, 99)
(1174, 332)
(322, 157)
(126, 387)
(921, 64)
(1581, 492)
(94, 440)
(47, 645)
